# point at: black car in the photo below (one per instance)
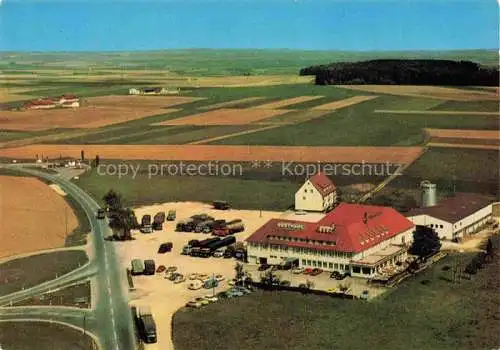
(165, 247)
(285, 283)
(337, 275)
(228, 253)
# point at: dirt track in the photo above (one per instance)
(463, 145)
(332, 106)
(398, 155)
(32, 216)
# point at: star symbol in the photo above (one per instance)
(268, 164)
(256, 164)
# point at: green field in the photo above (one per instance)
(202, 62)
(42, 335)
(33, 270)
(437, 315)
(62, 297)
(466, 170)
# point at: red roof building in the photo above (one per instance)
(318, 193)
(351, 236)
(42, 103)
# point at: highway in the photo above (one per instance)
(114, 326)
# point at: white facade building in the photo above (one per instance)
(359, 240)
(318, 193)
(455, 217)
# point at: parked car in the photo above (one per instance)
(337, 275)
(307, 271)
(222, 295)
(171, 215)
(202, 301)
(235, 293)
(203, 277)
(316, 272)
(211, 298)
(193, 276)
(219, 278)
(332, 290)
(171, 268)
(173, 276)
(364, 295)
(219, 253)
(165, 247)
(297, 270)
(285, 283)
(243, 290)
(194, 304)
(195, 285)
(263, 267)
(161, 269)
(179, 279)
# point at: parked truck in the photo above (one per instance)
(146, 226)
(147, 325)
(158, 221)
(137, 267)
(171, 215)
(221, 205)
(197, 249)
(201, 226)
(230, 228)
(149, 267)
(186, 225)
(101, 214)
(210, 248)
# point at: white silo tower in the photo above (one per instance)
(428, 194)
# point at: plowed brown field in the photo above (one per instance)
(463, 145)
(32, 216)
(225, 116)
(139, 101)
(398, 155)
(287, 102)
(435, 92)
(82, 117)
(344, 103)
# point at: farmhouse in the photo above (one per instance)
(354, 239)
(318, 193)
(454, 217)
(153, 91)
(41, 104)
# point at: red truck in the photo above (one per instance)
(229, 228)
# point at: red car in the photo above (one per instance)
(307, 271)
(316, 272)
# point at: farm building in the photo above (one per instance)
(318, 193)
(153, 91)
(355, 239)
(41, 104)
(69, 104)
(454, 217)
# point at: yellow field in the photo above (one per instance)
(332, 106)
(287, 102)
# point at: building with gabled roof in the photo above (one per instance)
(352, 239)
(455, 217)
(318, 193)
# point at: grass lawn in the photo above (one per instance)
(469, 170)
(79, 235)
(42, 335)
(434, 316)
(62, 297)
(33, 270)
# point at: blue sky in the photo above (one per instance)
(107, 25)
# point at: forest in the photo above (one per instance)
(404, 72)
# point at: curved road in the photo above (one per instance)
(113, 317)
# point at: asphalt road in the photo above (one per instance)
(114, 326)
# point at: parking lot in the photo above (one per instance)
(163, 296)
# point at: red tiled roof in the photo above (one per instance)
(40, 102)
(323, 184)
(69, 97)
(350, 231)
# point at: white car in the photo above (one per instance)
(219, 253)
(195, 285)
(194, 304)
(203, 277)
(297, 270)
(219, 278)
(211, 298)
(202, 301)
(193, 276)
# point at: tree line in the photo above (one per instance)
(404, 72)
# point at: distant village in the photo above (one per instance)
(65, 101)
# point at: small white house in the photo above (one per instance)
(74, 104)
(134, 91)
(454, 217)
(318, 193)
